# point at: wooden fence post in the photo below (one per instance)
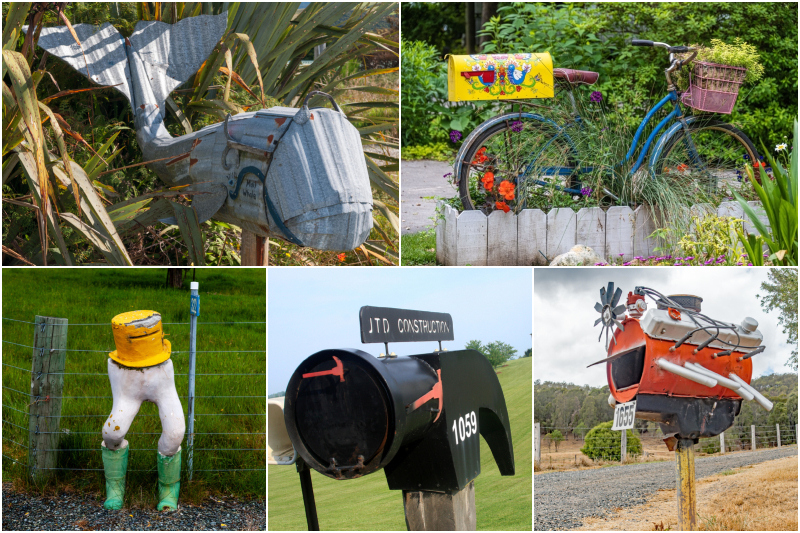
(440, 511)
(47, 383)
(754, 444)
(722, 442)
(537, 444)
(623, 446)
(778, 431)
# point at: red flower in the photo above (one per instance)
(480, 156)
(503, 206)
(340, 257)
(682, 167)
(506, 189)
(488, 181)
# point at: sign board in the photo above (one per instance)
(386, 324)
(624, 416)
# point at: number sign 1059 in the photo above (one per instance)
(465, 426)
(624, 415)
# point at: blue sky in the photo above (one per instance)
(311, 309)
(565, 341)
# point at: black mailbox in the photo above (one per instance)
(418, 417)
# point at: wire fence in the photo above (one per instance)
(229, 419)
(560, 447)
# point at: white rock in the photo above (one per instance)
(578, 255)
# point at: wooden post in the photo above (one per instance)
(722, 442)
(47, 383)
(537, 445)
(687, 498)
(254, 249)
(623, 446)
(778, 431)
(469, 30)
(753, 438)
(440, 511)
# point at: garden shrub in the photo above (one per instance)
(422, 74)
(603, 443)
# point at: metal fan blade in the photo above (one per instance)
(598, 307)
(613, 338)
(607, 344)
(609, 292)
(598, 321)
(619, 310)
(603, 295)
(601, 333)
(619, 325)
(617, 296)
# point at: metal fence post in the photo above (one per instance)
(753, 438)
(623, 446)
(722, 442)
(47, 383)
(778, 431)
(537, 444)
(194, 310)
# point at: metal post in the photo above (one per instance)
(47, 383)
(754, 444)
(623, 446)
(194, 310)
(687, 498)
(308, 495)
(722, 442)
(778, 431)
(537, 445)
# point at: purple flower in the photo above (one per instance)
(651, 257)
(516, 126)
(766, 254)
(749, 264)
(455, 136)
(621, 254)
(586, 191)
(639, 258)
(627, 263)
(599, 264)
(708, 262)
(746, 156)
(739, 263)
(447, 175)
(668, 257)
(596, 96)
(689, 258)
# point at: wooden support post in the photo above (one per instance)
(254, 250)
(778, 432)
(440, 511)
(722, 442)
(47, 383)
(537, 445)
(687, 498)
(754, 444)
(623, 446)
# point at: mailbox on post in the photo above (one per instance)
(349, 414)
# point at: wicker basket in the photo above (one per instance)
(713, 87)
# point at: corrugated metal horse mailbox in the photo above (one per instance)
(679, 367)
(349, 414)
(297, 174)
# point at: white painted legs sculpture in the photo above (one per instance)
(149, 378)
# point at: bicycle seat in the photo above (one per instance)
(576, 76)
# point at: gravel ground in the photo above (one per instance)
(563, 499)
(421, 179)
(70, 512)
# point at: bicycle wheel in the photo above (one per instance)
(500, 167)
(723, 150)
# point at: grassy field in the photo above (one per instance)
(231, 407)
(419, 248)
(503, 503)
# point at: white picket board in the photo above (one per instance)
(441, 222)
(591, 228)
(561, 231)
(531, 237)
(619, 233)
(644, 226)
(471, 239)
(450, 236)
(502, 238)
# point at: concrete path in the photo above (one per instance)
(418, 180)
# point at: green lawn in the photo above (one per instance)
(418, 249)
(503, 503)
(95, 296)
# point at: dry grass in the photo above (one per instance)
(761, 497)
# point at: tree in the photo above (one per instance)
(604, 443)
(498, 352)
(528, 352)
(475, 345)
(556, 436)
(781, 294)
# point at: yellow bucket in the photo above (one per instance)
(139, 339)
(499, 77)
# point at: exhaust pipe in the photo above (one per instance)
(725, 382)
(766, 404)
(686, 373)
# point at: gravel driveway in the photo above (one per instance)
(71, 512)
(561, 500)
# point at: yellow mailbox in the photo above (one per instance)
(499, 77)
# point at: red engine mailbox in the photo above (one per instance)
(685, 370)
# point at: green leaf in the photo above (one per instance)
(191, 233)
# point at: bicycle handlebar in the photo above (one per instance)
(672, 49)
(641, 42)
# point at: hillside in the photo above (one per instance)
(503, 503)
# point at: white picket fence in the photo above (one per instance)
(533, 237)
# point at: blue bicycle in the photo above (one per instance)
(508, 156)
